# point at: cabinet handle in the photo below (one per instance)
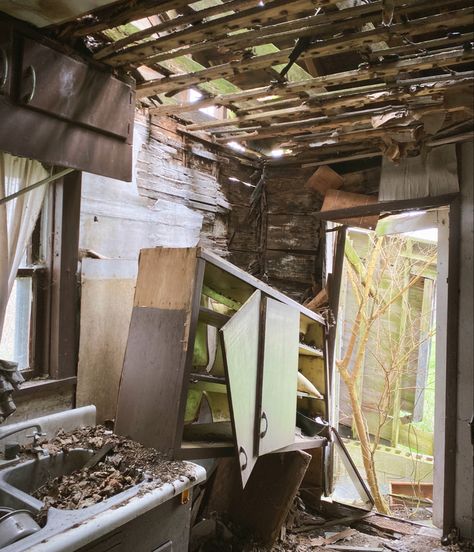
(244, 465)
(4, 72)
(30, 70)
(264, 432)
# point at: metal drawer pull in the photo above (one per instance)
(244, 465)
(4, 71)
(264, 432)
(31, 70)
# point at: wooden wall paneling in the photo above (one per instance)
(291, 266)
(292, 232)
(278, 376)
(157, 347)
(143, 393)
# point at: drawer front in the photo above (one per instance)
(67, 88)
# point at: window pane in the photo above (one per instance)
(15, 343)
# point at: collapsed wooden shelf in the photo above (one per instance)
(212, 361)
(305, 349)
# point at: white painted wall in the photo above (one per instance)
(116, 222)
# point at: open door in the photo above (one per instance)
(241, 349)
(279, 376)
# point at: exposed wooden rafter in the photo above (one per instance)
(332, 46)
(357, 87)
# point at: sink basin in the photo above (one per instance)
(19, 482)
(74, 529)
(31, 475)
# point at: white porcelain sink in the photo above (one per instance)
(72, 529)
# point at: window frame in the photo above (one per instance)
(54, 315)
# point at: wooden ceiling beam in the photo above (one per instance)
(174, 24)
(362, 39)
(242, 40)
(117, 14)
(352, 101)
(317, 25)
(354, 120)
(355, 77)
(359, 96)
(256, 16)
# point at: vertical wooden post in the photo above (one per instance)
(447, 305)
(64, 288)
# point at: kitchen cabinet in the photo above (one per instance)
(6, 48)
(82, 94)
(162, 529)
(61, 110)
(212, 361)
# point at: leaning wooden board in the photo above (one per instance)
(153, 370)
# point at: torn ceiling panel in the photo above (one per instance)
(52, 12)
(361, 81)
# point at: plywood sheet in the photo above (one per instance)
(104, 330)
(152, 377)
(279, 382)
(241, 336)
(166, 278)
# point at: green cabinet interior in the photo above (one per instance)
(235, 386)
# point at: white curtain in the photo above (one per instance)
(17, 218)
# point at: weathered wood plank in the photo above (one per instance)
(257, 15)
(322, 25)
(226, 70)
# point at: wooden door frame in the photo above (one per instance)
(447, 324)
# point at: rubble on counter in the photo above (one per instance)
(124, 464)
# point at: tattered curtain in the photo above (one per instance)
(17, 218)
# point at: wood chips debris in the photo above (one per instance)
(126, 464)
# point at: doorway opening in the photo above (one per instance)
(385, 363)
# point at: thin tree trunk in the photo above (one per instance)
(367, 457)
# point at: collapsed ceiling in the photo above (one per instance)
(306, 81)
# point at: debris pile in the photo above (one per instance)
(338, 529)
(117, 465)
(85, 487)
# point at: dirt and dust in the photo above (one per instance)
(125, 464)
(306, 530)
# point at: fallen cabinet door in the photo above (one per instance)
(352, 470)
(279, 376)
(241, 346)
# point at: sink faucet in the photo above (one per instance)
(36, 435)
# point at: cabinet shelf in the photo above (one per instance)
(302, 442)
(302, 395)
(307, 350)
(213, 318)
(192, 450)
